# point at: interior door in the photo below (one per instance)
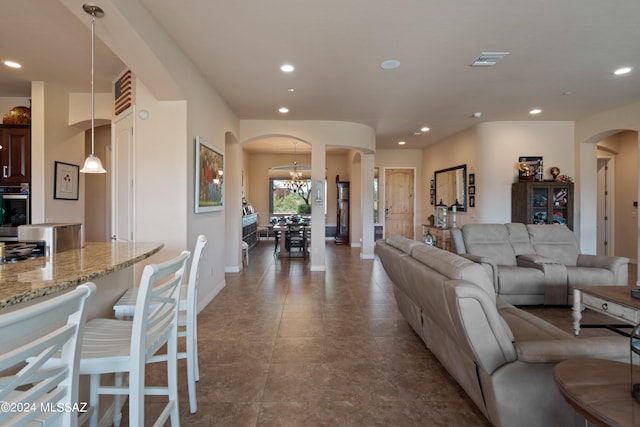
(399, 190)
(122, 224)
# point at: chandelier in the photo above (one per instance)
(295, 182)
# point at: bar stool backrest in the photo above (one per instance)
(30, 337)
(155, 320)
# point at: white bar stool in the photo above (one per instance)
(42, 371)
(125, 308)
(125, 347)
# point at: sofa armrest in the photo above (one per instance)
(553, 351)
(534, 259)
(619, 266)
(555, 277)
(612, 263)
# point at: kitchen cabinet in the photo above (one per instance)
(15, 155)
(542, 202)
(342, 225)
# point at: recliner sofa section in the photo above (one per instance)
(502, 356)
(533, 264)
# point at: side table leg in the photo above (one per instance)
(577, 313)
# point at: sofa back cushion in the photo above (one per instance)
(519, 238)
(554, 241)
(455, 267)
(491, 241)
(403, 243)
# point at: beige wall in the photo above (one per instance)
(491, 151)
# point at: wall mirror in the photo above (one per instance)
(450, 185)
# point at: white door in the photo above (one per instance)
(122, 205)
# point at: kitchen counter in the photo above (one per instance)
(27, 280)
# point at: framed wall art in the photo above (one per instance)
(209, 177)
(65, 181)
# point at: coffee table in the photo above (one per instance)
(599, 390)
(614, 301)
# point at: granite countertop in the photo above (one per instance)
(25, 280)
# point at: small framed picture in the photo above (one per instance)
(472, 201)
(472, 179)
(472, 189)
(432, 184)
(65, 181)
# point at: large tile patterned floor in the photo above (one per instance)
(283, 346)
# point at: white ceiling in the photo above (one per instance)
(562, 54)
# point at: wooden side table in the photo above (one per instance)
(442, 236)
(599, 390)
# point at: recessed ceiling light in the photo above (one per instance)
(12, 64)
(477, 114)
(417, 133)
(390, 64)
(401, 142)
(287, 68)
(622, 71)
(535, 111)
(425, 129)
(283, 110)
(291, 89)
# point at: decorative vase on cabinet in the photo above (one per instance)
(342, 225)
(545, 202)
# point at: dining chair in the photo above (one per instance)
(296, 237)
(187, 321)
(126, 346)
(33, 387)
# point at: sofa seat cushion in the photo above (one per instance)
(581, 276)
(520, 280)
(491, 241)
(454, 267)
(527, 327)
(556, 242)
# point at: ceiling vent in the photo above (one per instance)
(488, 59)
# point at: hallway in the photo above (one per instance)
(282, 346)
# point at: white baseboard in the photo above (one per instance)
(204, 300)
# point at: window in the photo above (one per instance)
(284, 201)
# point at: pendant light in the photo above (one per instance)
(92, 164)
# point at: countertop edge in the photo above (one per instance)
(60, 286)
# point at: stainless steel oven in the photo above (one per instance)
(14, 211)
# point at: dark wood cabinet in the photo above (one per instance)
(542, 202)
(15, 157)
(342, 224)
(250, 229)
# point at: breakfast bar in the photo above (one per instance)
(108, 264)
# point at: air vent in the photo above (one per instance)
(488, 59)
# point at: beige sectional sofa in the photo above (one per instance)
(502, 357)
(536, 263)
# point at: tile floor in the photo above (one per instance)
(283, 346)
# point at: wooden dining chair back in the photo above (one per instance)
(34, 388)
(296, 238)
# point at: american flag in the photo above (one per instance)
(122, 92)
